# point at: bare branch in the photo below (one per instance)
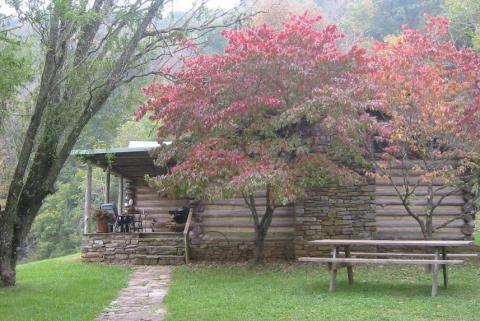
(405, 204)
(448, 222)
(442, 198)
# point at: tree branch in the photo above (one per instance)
(446, 223)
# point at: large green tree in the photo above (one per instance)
(91, 50)
(16, 70)
(465, 22)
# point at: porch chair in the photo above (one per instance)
(137, 221)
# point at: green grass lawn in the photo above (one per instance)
(61, 289)
(295, 292)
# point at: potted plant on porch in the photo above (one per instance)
(102, 218)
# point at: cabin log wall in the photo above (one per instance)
(153, 206)
(393, 221)
(224, 231)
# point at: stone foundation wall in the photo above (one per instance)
(130, 248)
(221, 250)
(337, 212)
(109, 247)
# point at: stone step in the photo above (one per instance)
(141, 259)
(161, 250)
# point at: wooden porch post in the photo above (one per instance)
(88, 199)
(107, 187)
(120, 195)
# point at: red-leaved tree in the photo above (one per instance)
(430, 103)
(253, 119)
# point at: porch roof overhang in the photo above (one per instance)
(130, 162)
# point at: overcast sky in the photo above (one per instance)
(180, 5)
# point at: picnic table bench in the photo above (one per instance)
(439, 257)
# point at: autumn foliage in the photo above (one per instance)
(429, 94)
(253, 112)
(428, 88)
(256, 118)
(284, 111)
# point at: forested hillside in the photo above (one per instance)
(57, 229)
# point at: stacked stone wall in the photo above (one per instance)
(337, 212)
(228, 250)
(109, 247)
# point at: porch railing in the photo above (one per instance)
(186, 240)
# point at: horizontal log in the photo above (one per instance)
(250, 236)
(376, 261)
(436, 197)
(399, 210)
(399, 181)
(237, 229)
(218, 223)
(156, 197)
(419, 202)
(419, 193)
(437, 219)
(242, 218)
(160, 206)
(237, 201)
(287, 212)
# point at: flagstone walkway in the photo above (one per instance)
(142, 299)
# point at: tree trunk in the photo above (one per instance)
(54, 132)
(62, 110)
(259, 254)
(8, 254)
(261, 226)
(427, 234)
(429, 213)
(261, 231)
(7, 270)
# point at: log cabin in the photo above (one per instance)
(223, 230)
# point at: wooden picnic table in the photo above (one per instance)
(438, 257)
(394, 243)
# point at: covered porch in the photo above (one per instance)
(154, 240)
(128, 166)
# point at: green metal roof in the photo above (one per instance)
(115, 150)
(126, 161)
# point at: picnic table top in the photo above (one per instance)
(409, 243)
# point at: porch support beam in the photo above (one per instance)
(88, 199)
(107, 186)
(120, 195)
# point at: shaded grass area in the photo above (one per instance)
(61, 289)
(297, 292)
